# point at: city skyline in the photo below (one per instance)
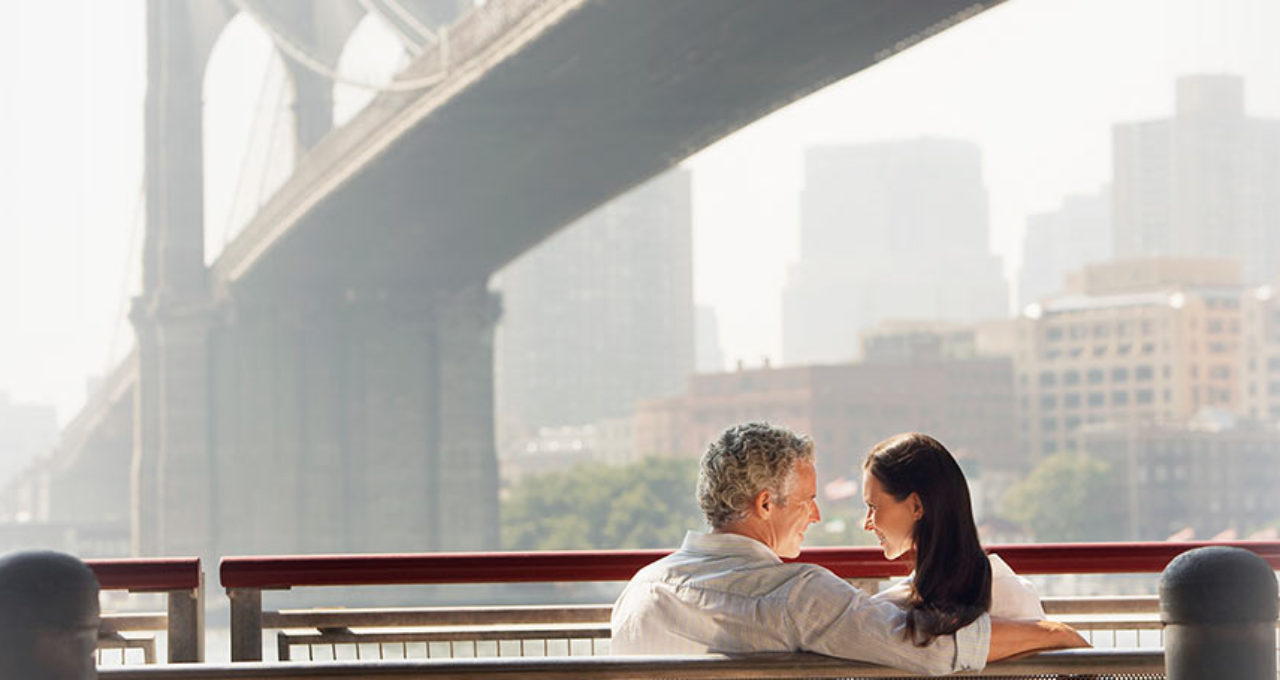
(745, 186)
(893, 230)
(597, 316)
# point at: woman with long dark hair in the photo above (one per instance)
(918, 507)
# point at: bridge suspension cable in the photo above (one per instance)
(278, 113)
(317, 66)
(413, 22)
(414, 47)
(242, 171)
(121, 317)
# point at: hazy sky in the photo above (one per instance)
(1036, 83)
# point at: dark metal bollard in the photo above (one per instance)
(1218, 606)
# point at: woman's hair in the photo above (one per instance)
(952, 585)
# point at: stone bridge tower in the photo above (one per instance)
(301, 411)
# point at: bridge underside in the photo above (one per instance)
(612, 94)
(328, 386)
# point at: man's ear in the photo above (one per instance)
(915, 505)
(763, 504)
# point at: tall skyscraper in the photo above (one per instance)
(26, 430)
(710, 355)
(888, 231)
(1202, 182)
(598, 316)
(1063, 241)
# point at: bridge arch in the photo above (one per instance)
(249, 132)
(373, 53)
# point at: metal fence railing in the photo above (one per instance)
(583, 630)
(499, 632)
(127, 638)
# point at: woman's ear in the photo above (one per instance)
(915, 505)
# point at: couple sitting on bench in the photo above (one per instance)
(729, 591)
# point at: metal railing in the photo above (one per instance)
(583, 630)
(181, 581)
(498, 632)
(1134, 664)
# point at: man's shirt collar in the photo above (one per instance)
(727, 544)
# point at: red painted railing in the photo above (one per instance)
(246, 577)
(181, 580)
(271, 572)
(147, 575)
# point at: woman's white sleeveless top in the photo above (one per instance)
(1012, 596)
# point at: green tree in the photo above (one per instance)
(649, 504)
(1068, 497)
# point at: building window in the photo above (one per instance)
(1096, 376)
(1220, 372)
(1273, 364)
(1119, 398)
(1071, 423)
(1144, 396)
(1048, 401)
(1097, 399)
(1071, 400)
(1071, 378)
(1143, 373)
(1053, 333)
(1049, 425)
(1048, 379)
(1120, 374)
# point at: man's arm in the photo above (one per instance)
(831, 617)
(1010, 637)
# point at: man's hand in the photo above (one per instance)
(1011, 637)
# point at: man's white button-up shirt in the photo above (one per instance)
(731, 594)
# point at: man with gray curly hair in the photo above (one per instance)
(747, 459)
(729, 591)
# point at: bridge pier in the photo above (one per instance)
(171, 466)
(296, 412)
(170, 500)
(358, 420)
(466, 507)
